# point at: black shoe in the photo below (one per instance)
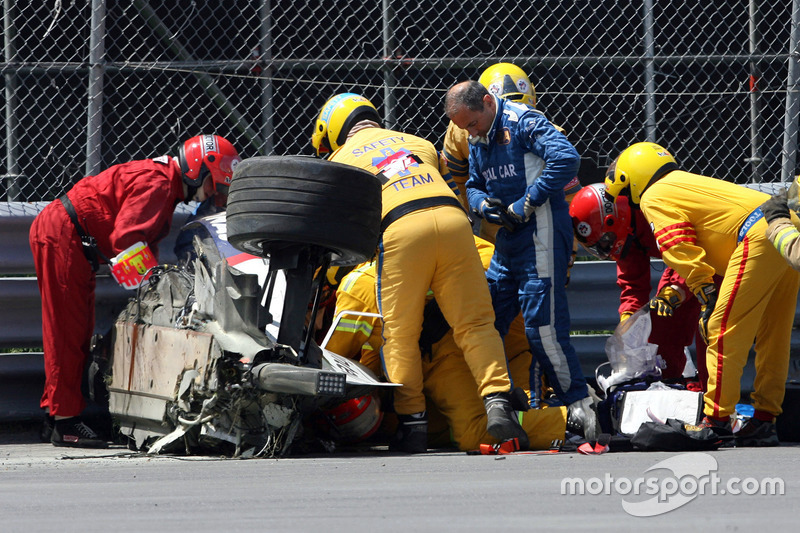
(582, 419)
(74, 433)
(46, 431)
(756, 433)
(502, 421)
(412, 434)
(722, 428)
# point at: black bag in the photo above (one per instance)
(609, 410)
(674, 436)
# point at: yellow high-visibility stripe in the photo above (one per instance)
(353, 276)
(354, 326)
(784, 238)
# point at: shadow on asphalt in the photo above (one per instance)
(25, 432)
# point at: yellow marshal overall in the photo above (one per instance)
(705, 226)
(426, 244)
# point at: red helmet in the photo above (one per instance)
(355, 419)
(206, 154)
(602, 226)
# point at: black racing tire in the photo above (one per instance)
(281, 201)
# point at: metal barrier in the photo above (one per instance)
(22, 374)
(593, 294)
(593, 298)
(20, 304)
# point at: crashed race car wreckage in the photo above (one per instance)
(213, 355)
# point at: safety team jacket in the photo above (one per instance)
(696, 221)
(784, 235)
(129, 202)
(411, 165)
(633, 267)
(509, 174)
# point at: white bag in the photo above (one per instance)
(658, 405)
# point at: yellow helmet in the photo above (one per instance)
(510, 82)
(636, 168)
(337, 118)
(336, 274)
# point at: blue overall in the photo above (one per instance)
(525, 156)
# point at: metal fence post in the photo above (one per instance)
(792, 99)
(755, 111)
(265, 57)
(649, 72)
(12, 103)
(389, 103)
(94, 111)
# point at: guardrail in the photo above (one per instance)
(593, 293)
(22, 374)
(593, 298)
(20, 304)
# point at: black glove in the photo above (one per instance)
(707, 295)
(666, 301)
(519, 399)
(776, 207)
(492, 210)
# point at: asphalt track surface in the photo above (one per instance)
(44, 488)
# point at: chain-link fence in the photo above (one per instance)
(90, 83)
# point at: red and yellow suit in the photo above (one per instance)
(120, 206)
(447, 380)
(705, 227)
(427, 248)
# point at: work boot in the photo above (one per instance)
(756, 433)
(412, 434)
(502, 421)
(74, 433)
(582, 419)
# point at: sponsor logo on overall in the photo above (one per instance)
(501, 171)
(754, 217)
(398, 163)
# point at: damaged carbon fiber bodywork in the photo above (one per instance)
(199, 363)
